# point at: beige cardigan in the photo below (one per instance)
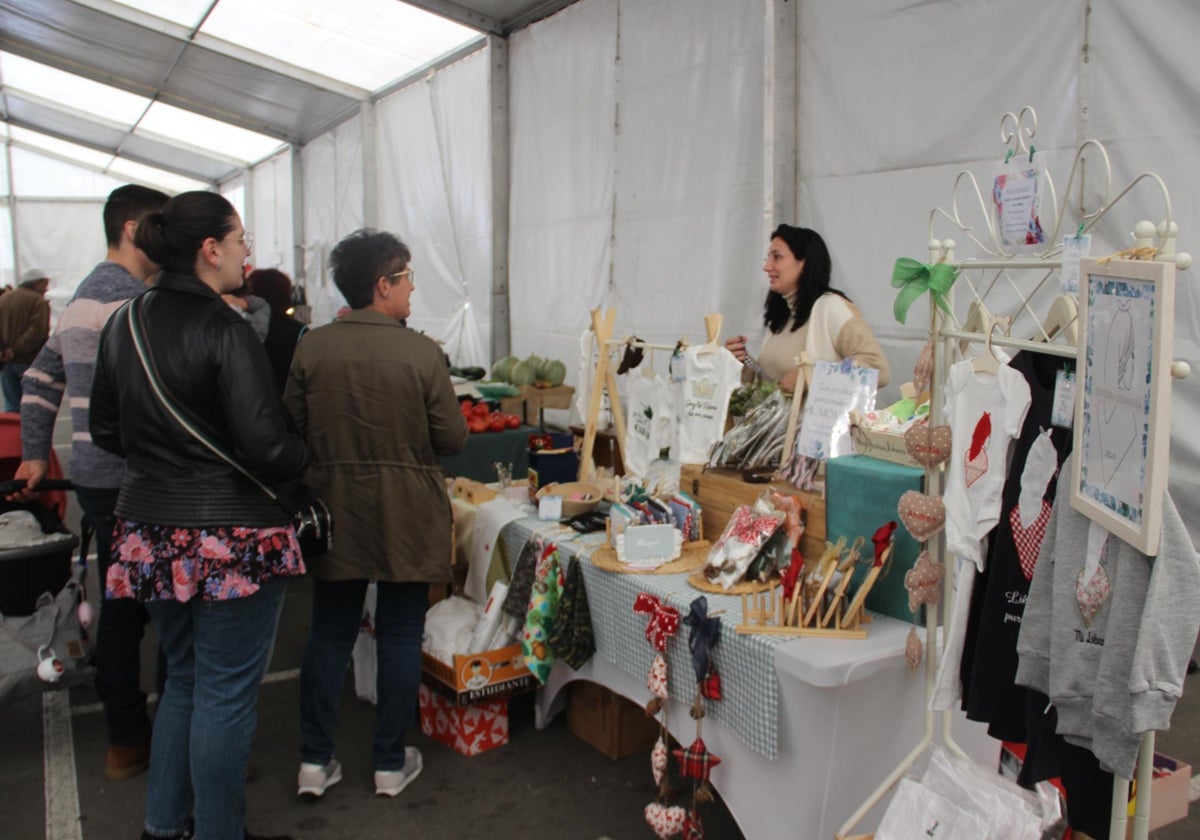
(834, 331)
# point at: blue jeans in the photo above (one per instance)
(10, 384)
(399, 625)
(217, 654)
(119, 635)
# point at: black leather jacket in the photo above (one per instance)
(214, 369)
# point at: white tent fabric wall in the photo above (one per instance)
(333, 207)
(884, 128)
(434, 163)
(690, 235)
(271, 212)
(63, 238)
(660, 217)
(562, 102)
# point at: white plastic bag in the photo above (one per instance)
(917, 813)
(363, 655)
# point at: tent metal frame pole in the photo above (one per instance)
(501, 189)
(370, 165)
(12, 210)
(299, 274)
(780, 75)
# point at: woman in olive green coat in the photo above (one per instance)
(374, 402)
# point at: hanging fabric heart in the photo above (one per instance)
(924, 582)
(1029, 540)
(923, 515)
(658, 760)
(657, 679)
(666, 822)
(710, 687)
(928, 446)
(913, 650)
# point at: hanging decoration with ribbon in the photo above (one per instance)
(914, 279)
(663, 621)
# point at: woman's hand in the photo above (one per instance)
(788, 383)
(737, 346)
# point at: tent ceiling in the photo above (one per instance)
(188, 55)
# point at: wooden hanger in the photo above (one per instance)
(989, 362)
(1063, 318)
(712, 331)
(978, 320)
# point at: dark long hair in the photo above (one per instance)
(805, 244)
(172, 236)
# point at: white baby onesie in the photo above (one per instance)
(985, 413)
(709, 377)
(649, 422)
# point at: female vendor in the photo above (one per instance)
(805, 315)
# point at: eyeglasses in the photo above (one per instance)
(247, 239)
(408, 272)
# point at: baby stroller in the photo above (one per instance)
(42, 643)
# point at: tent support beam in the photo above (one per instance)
(501, 162)
(780, 77)
(299, 269)
(459, 14)
(370, 166)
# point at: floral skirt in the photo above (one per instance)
(168, 563)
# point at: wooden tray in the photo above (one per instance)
(698, 581)
(693, 556)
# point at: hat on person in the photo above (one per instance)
(33, 275)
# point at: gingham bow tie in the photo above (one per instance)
(663, 623)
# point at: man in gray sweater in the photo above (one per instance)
(66, 364)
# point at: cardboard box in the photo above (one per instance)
(490, 674)
(617, 727)
(471, 491)
(720, 491)
(1168, 792)
(468, 730)
(528, 403)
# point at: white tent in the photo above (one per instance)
(545, 158)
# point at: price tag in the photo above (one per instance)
(1063, 414)
(1074, 249)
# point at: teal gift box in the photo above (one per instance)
(861, 494)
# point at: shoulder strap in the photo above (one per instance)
(134, 317)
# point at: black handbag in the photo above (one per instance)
(310, 515)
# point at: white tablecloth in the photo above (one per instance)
(849, 712)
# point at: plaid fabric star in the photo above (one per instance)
(696, 762)
(663, 623)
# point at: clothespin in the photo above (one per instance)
(1079, 231)
(1008, 156)
(1032, 149)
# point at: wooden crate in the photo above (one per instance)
(526, 404)
(719, 492)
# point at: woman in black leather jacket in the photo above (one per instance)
(205, 549)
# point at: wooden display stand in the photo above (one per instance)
(528, 404)
(720, 492)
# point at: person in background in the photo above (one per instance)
(65, 366)
(804, 314)
(24, 328)
(376, 405)
(283, 331)
(206, 550)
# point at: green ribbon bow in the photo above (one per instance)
(913, 279)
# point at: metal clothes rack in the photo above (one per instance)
(1027, 282)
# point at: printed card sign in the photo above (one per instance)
(1015, 197)
(837, 389)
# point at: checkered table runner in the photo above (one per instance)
(749, 685)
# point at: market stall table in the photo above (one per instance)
(806, 728)
(484, 449)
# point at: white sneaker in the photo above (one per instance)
(391, 782)
(315, 779)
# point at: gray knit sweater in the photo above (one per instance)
(1111, 654)
(66, 364)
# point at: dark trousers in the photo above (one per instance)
(119, 635)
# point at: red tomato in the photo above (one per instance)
(481, 410)
(465, 404)
(497, 423)
(477, 424)
(514, 422)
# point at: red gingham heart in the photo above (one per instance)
(1029, 540)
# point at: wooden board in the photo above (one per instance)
(719, 492)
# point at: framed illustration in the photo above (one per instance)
(1123, 397)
